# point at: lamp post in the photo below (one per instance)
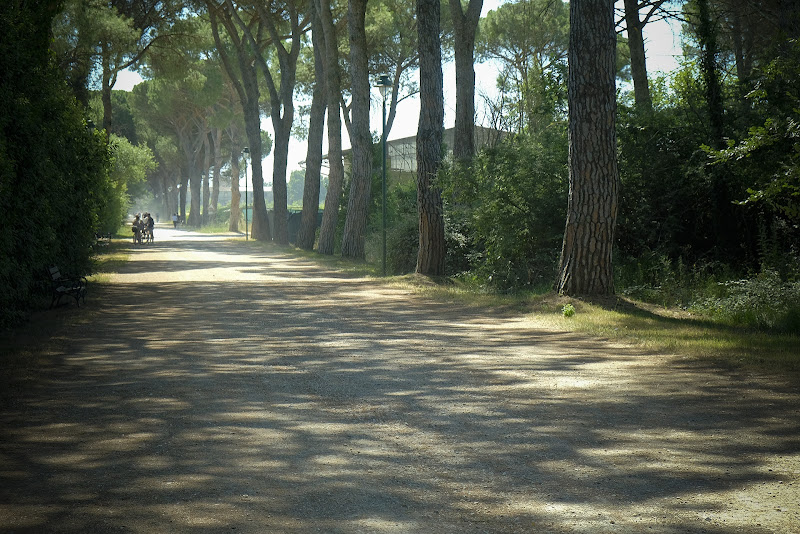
(384, 86)
(179, 203)
(246, 154)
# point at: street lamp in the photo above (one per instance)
(246, 154)
(384, 86)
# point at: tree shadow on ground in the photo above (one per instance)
(308, 400)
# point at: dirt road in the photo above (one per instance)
(212, 389)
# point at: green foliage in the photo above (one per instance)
(773, 146)
(129, 169)
(656, 278)
(53, 170)
(568, 310)
(294, 189)
(665, 192)
(506, 212)
(529, 40)
(402, 245)
(768, 301)
(687, 202)
(763, 302)
(402, 233)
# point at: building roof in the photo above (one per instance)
(401, 154)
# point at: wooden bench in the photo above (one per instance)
(74, 287)
(102, 240)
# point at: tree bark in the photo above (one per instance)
(247, 89)
(586, 267)
(641, 88)
(707, 35)
(216, 150)
(105, 93)
(190, 142)
(465, 26)
(184, 184)
(431, 255)
(355, 226)
(308, 222)
(330, 215)
(281, 104)
(236, 196)
(206, 177)
(789, 22)
(195, 216)
(260, 229)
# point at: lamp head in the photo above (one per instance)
(384, 85)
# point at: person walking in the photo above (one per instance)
(150, 224)
(136, 228)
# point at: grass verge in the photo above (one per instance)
(674, 331)
(629, 321)
(110, 259)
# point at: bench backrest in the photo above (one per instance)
(55, 273)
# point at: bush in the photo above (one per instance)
(506, 212)
(654, 277)
(402, 245)
(53, 170)
(762, 302)
(402, 226)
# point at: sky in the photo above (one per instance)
(662, 46)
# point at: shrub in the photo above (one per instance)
(402, 244)
(506, 211)
(763, 302)
(53, 170)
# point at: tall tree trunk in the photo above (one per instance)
(282, 105)
(280, 162)
(465, 26)
(641, 88)
(105, 93)
(236, 196)
(742, 68)
(431, 255)
(206, 177)
(216, 158)
(725, 229)
(260, 230)
(195, 217)
(355, 226)
(184, 186)
(707, 35)
(191, 151)
(586, 266)
(308, 223)
(789, 12)
(245, 81)
(330, 215)
(281, 98)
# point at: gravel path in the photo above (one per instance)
(208, 388)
